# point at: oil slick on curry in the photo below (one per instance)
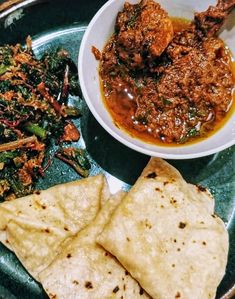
(165, 80)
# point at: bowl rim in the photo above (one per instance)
(122, 139)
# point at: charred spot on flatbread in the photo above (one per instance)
(182, 225)
(88, 285)
(151, 175)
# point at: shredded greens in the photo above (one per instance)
(34, 112)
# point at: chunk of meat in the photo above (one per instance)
(210, 21)
(205, 24)
(144, 31)
(182, 43)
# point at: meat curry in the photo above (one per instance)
(167, 80)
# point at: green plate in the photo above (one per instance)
(62, 23)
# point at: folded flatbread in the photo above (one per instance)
(165, 234)
(34, 226)
(84, 270)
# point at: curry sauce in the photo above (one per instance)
(157, 103)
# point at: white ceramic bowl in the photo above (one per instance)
(98, 32)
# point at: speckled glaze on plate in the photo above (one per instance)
(62, 23)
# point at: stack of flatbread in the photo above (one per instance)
(161, 240)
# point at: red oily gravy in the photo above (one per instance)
(122, 106)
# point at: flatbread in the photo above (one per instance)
(84, 270)
(34, 226)
(165, 234)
